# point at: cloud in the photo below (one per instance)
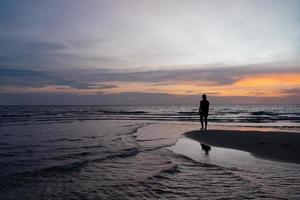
(216, 76)
(37, 54)
(293, 91)
(102, 86)
(102, 79)
(37, 79)
(102, 45)
(135, 99)
(22, 52)
(102, 34)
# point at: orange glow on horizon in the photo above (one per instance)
(257, 85)
(270, 80)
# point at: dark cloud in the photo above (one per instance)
(36, 54)
(216, 76)
(33, 54)
(85, 79)
(135, 99)
(102, 86)
(29, 78)
(293, 91)
(26, 47)
(18, 78)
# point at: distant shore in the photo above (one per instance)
(277, 146)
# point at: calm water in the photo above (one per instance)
(95, 152)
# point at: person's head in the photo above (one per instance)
(204, 96)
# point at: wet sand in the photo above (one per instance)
(277, 146)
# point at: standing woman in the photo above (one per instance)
(203, 110)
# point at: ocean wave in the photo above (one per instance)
(124, 154)
(74, 166)
(188, 112)
(121, 112)
(24, 115)
(63, 140)
(189, 162)
(263, 113)
(72, 156)
(65, 168)
(90, 147)
(165, 172)
(172, 170)
(77, 147)
(7, 155)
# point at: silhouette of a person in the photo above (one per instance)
(203, 110)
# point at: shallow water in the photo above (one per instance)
(276, 179)
(94, 159)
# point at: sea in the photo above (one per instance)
(138, 152)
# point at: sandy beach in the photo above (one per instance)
(277, 146)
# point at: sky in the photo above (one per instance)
(149, 52)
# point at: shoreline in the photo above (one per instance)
(276, 146)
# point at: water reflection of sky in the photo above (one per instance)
(224, 157)
(275, 177)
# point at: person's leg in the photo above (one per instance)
(201, 120)
(205, 119)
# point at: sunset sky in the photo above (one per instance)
(138, 51)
